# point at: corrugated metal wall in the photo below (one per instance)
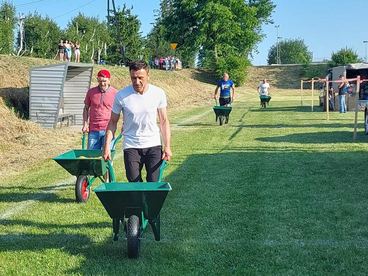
(77, 83)
(56, 90)
(46, 84)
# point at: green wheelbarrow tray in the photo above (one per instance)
(222, 110)
(134, 205)
(83, 162)
(122, 199)
(222, 113)
(265, 99)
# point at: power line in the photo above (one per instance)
(75, 9)
(29, 3)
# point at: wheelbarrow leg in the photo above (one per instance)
(116, 228)
(155, 226)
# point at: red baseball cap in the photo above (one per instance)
(104, 73)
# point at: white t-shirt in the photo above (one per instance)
(140, 127)
(263, 89)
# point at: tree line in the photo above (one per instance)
(218, 35)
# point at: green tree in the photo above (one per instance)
(293, 51)
(92, 35)
(343, 57)
(127, 42)
(7, 25)
(218, 30)
(155, 43)
(42, 36)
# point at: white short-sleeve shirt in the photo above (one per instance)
(139, 111)
(263, 89)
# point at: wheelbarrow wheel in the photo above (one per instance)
(81, 189)
(133, 237)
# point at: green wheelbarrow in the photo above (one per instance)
(264, 100)
(87, 166)
(132, 206)
(222, 113)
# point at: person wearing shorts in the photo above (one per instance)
(145, 144)
(227, 90)
(97, 110)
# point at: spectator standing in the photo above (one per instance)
(61, 50)
(343, 90)
(77, 51)
(67, 50)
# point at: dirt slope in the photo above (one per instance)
(23, 143)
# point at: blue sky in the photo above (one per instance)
(326, 26)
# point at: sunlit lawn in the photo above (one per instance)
(275, 191)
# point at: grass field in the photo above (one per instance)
(275, 191)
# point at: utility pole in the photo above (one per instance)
(21, 33)
(111, 21)
(365, 56)
(110, 11)
(278, 61)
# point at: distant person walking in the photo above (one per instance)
(227, 90)
(263, 92)
(97, 110)
(263, 88)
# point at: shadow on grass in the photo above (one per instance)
(43, 194)
(28, 223)
(283, 109)
(204, 76)
(232, 209)
(312, 138)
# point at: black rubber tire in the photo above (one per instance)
(133, 240)
(221, 120)
(366, 121)
(82, 191)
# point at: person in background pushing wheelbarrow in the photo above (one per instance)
(140, 103)
(264, 96)
(97, 110)
(227, 90)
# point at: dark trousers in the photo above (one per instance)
(225, 101)
(134, 159)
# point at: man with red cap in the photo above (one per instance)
(97, 110)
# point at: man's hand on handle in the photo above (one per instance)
(166, 155)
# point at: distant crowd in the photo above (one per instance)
(66, 49)
(166, 63)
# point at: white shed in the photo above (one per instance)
(57, 91)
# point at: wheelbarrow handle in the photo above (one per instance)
(84, 140)
(117, 140)
(163, 166)
(84, 136)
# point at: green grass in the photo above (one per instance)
(276, 191)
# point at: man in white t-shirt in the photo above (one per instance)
(263, 88)
(140, 103)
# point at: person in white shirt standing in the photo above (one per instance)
(140, 103)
